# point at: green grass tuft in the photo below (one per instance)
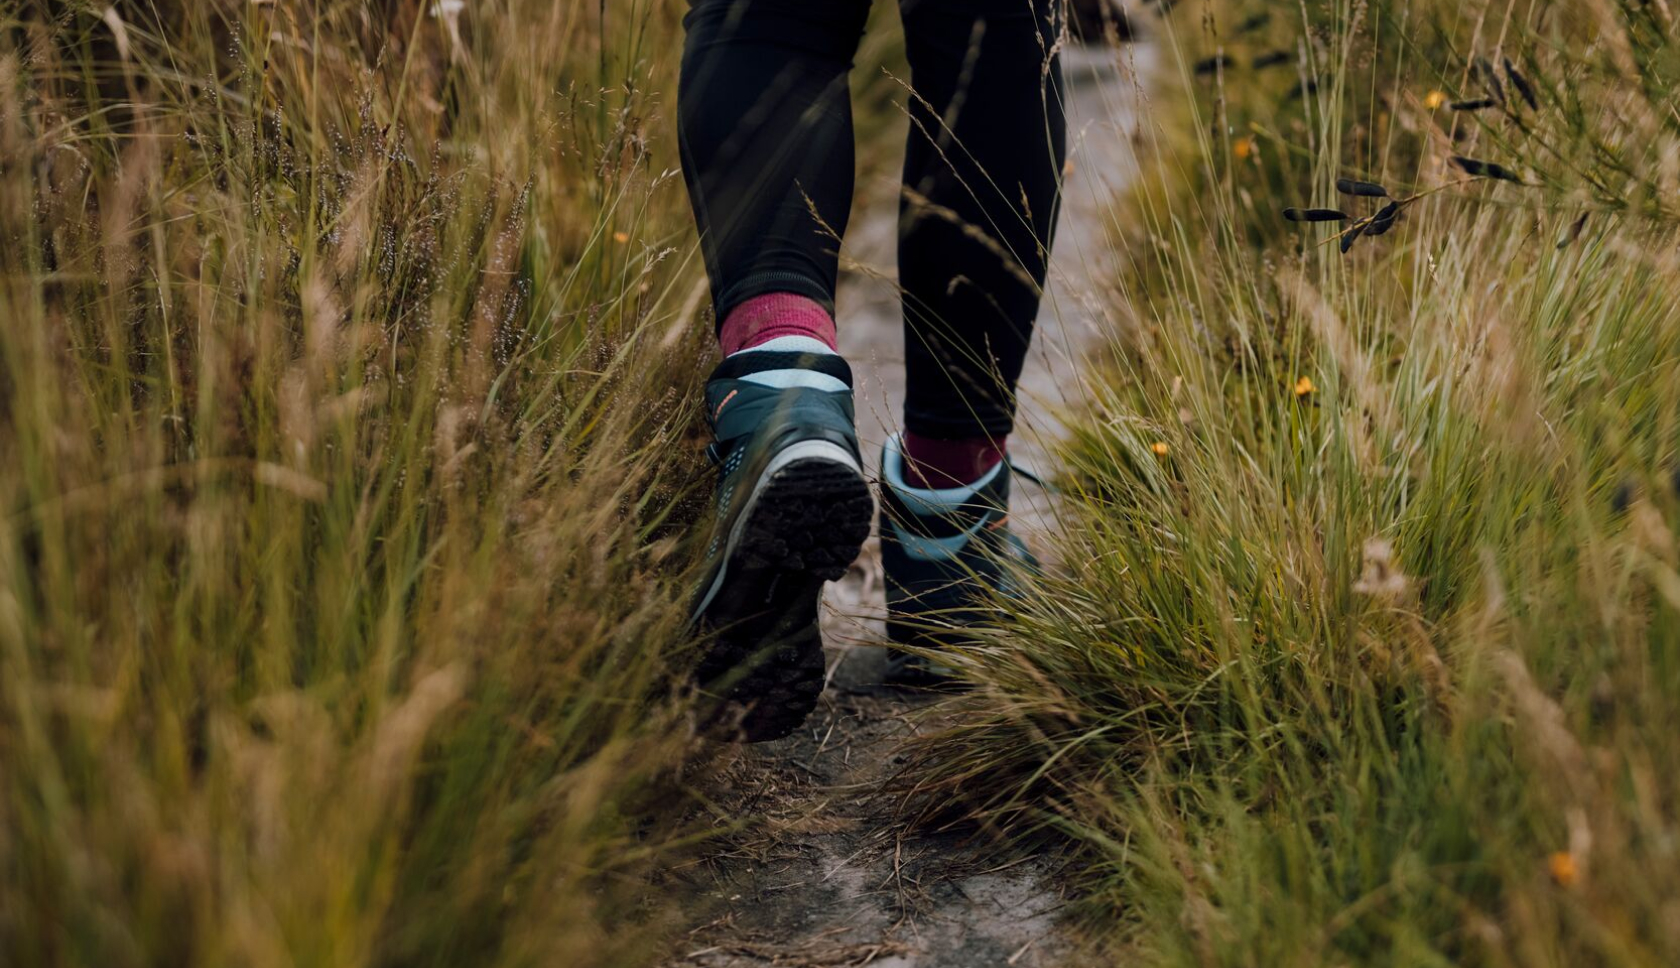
(1366, 649)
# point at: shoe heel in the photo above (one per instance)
(811, 518)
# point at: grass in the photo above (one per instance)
(1366, 648)
(345, 391)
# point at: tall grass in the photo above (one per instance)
(1367, 645)
(344, 381)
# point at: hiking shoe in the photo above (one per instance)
(793, 510)
(944, 551)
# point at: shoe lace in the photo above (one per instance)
(1021, 470)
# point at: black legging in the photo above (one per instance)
(765, 126)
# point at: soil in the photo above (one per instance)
(818, 867)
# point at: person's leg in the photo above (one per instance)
(982, 177)
(765, 131)
(766, 138)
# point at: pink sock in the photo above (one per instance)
(774, 314)
(936, 463)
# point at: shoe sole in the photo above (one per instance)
(803, 526)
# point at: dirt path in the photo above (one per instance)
(831, 876)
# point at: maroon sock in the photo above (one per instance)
(774, 314)
(935, 463)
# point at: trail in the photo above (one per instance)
(829, 875)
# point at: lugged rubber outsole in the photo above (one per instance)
(765, 662)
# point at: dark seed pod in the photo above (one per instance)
(1273, 59)
(1485, 169)
(1490, 80)
(1383, 220)
(1622, 498)
(1212, 65)
(1480, 104)
(1300, 90)
(1314, 215)
(1525, 89)
(1360, 189)
(1573, 232)
(1253, 23)
(1351, 236)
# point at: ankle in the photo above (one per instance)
(934, 463)
(772, 316)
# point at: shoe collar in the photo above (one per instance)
(926, 501)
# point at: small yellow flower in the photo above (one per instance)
(621, 237)
(1244, 147)
(1562, 867)
(1304, 386)
(1160, 448)
(1434, 99)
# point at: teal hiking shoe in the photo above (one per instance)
(793, 509)
(945, 552)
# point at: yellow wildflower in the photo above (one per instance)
(1245, 147)
(1160, 448)
(1562, 867)
(621, 237)
(1434, 99)
(1304, 386)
